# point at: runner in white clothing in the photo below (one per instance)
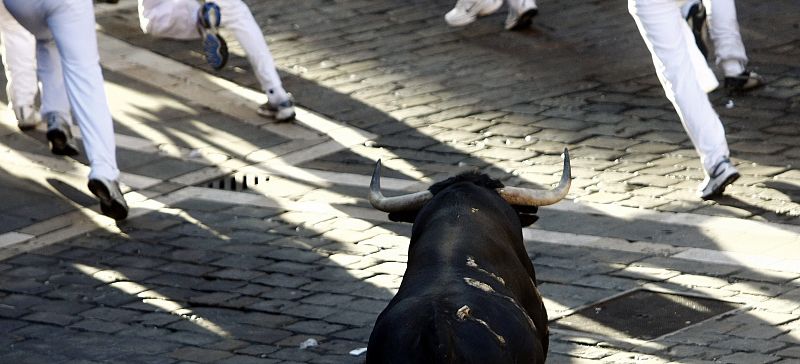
(686, 78)
(723, 29)
(520, 12)
(18, 49)
(68, 66)
(188, 19)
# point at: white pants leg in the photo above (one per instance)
(671, 44)
(177, 19)
(237, 18)
(724, 32)
(19, 57)
(66, 41)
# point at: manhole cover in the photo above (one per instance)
(643, 314)
(236, 181)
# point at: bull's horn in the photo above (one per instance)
(407, 202)
(528, 197)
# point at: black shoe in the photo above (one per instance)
(745, 81)
(112, 203)
(697, 22)
(60, 135)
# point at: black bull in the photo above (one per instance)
(469, 291)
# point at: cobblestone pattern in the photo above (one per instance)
(237, 284)
(510, 101)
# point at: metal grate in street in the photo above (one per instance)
(643, 314)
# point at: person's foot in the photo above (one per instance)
(281, 111)
(520, 17)
(60, 135)
(722, 175)
(215, 49)
(27, 117)
(466, 11)
(745, 81)
(112, 203)
(697, 22)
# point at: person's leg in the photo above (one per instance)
(520, 14)
(19, 57)
(724, 32)
(237, 18)
(731, 56)
(72, 24)
(176, 19)
(55, 107)
(666, 34)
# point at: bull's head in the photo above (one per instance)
(520, 198)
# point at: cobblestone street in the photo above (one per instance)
(201, 273)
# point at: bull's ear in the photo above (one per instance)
(527, 214)
(404, 216)
(527, 219)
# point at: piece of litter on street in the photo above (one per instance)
(308, 343)
(729, 104)
(357, 352)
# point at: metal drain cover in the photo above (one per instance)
(236, 181)
(643, 314)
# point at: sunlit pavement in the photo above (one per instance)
(201, 274)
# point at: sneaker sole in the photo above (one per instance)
(59, 144)
(719, 190)
(524, 20)
(215, 50)
(108, 206)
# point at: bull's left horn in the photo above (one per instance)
(529, 197)
(407, 202)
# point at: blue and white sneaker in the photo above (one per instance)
(214, 47)
(722, 175)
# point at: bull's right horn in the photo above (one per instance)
(407, 202)
(529, 197)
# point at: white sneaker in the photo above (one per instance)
(466, 11)
(723, 174)
(27, 117)
(520, 16)
(281, 112)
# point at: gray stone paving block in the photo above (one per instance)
(99, 326)
(190, 338)
(312, 311)
(199, 355)
(187, 268)
(749, 358)
(51, 318)
(257, 350)
(245, 359)
(281, 280)
(696, 352)
(747, 344)
(314, 327)
(235, 274)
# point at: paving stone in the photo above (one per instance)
(199, 355)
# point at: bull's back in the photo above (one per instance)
(467, 327)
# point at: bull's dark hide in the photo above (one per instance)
(468, 294)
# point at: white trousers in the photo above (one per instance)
(723, 29)
(18, 50)
(683, 73)
(68, 65)
(177, 19)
